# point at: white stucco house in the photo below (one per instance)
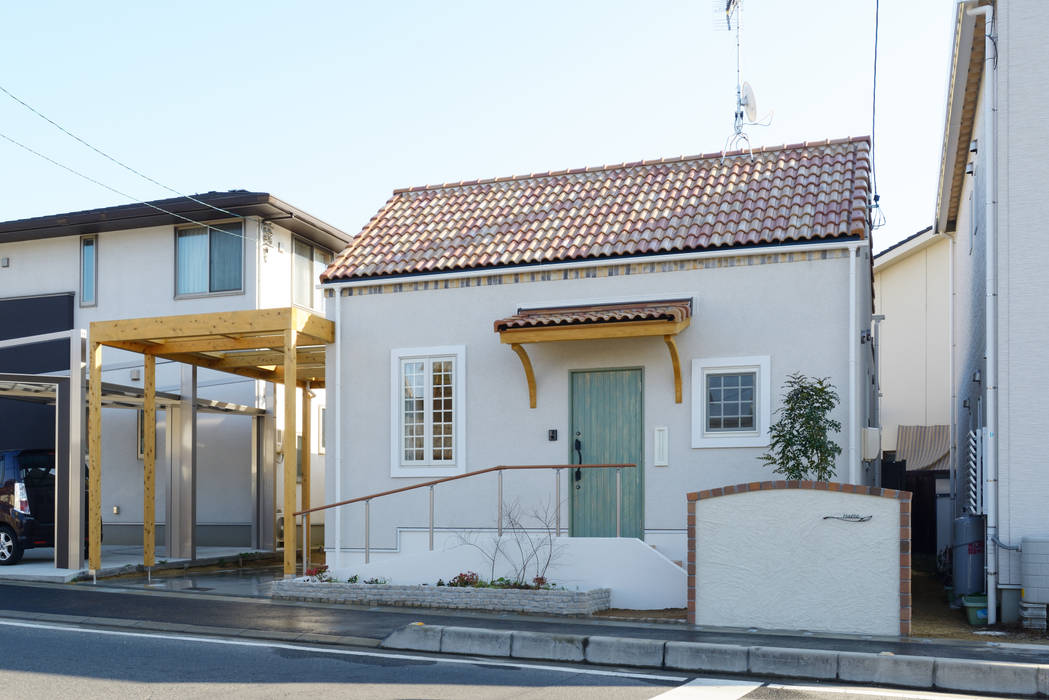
(992, 207)
(218, 251)
(645, 313)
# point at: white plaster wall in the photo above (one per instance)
(912, 291)
(769, 559)
(795, 312)
(1023, 285)
(581, 563)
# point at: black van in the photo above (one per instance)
(27, 502)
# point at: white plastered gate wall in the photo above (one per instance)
(781, 559)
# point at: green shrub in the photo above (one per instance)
(800, 446)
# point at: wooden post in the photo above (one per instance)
(94, 429)
(306, 543)
(149, 461)
(289, 450)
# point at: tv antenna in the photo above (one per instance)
(727, 16)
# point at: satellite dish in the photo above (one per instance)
(749, 102)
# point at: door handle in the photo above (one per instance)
(579, 454)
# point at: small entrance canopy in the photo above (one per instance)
(274, 345)
(664, 318)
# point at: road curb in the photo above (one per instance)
(932, 673)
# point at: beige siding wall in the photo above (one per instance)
(911, 290)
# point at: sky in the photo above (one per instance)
(331, 105)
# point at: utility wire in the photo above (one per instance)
(877, 215)
(105, 155)
(119, 192)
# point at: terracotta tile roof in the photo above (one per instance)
(800, 192)
(673, 310)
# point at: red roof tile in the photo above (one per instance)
(803, 192)
(673, 310)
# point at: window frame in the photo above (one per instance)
(704, 367)
(428, 468)
(93, 238)
(322, 431)
(208, 226)
(316, 295)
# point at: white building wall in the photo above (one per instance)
(794, 312)
(1023, 284)
(136, 278)
(912, 291)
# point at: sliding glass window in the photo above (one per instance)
(307, 263)
(89, 270)
(209, 260)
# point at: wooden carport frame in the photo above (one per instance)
(285, 346)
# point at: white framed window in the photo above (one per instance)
(89, 270)
(209, 259)
(308, 261)
(428, 411)
(731, 401)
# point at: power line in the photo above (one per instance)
(105, 155)
(65, 167)
(877, 215)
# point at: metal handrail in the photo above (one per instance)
(430, 484)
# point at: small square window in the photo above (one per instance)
(731, 402)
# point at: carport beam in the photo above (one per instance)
(289, 451)
(95, 458)
(149, 459)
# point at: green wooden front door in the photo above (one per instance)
(606, 427)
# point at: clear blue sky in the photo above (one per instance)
(331, 105)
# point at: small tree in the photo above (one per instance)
(800, 446)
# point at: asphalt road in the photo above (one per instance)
(265, 615)
(64, 662)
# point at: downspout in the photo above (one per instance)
(854, 465)
(336, 432)
(990, 149)
(952, 382)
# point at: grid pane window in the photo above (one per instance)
(413, 410)
(428, 411)
(730, 401)
(442, 410)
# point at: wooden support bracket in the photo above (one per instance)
(676, 361)
(529, 373)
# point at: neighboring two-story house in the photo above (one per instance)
(219, 251)
(992, 205)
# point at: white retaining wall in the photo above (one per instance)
(640, 577)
